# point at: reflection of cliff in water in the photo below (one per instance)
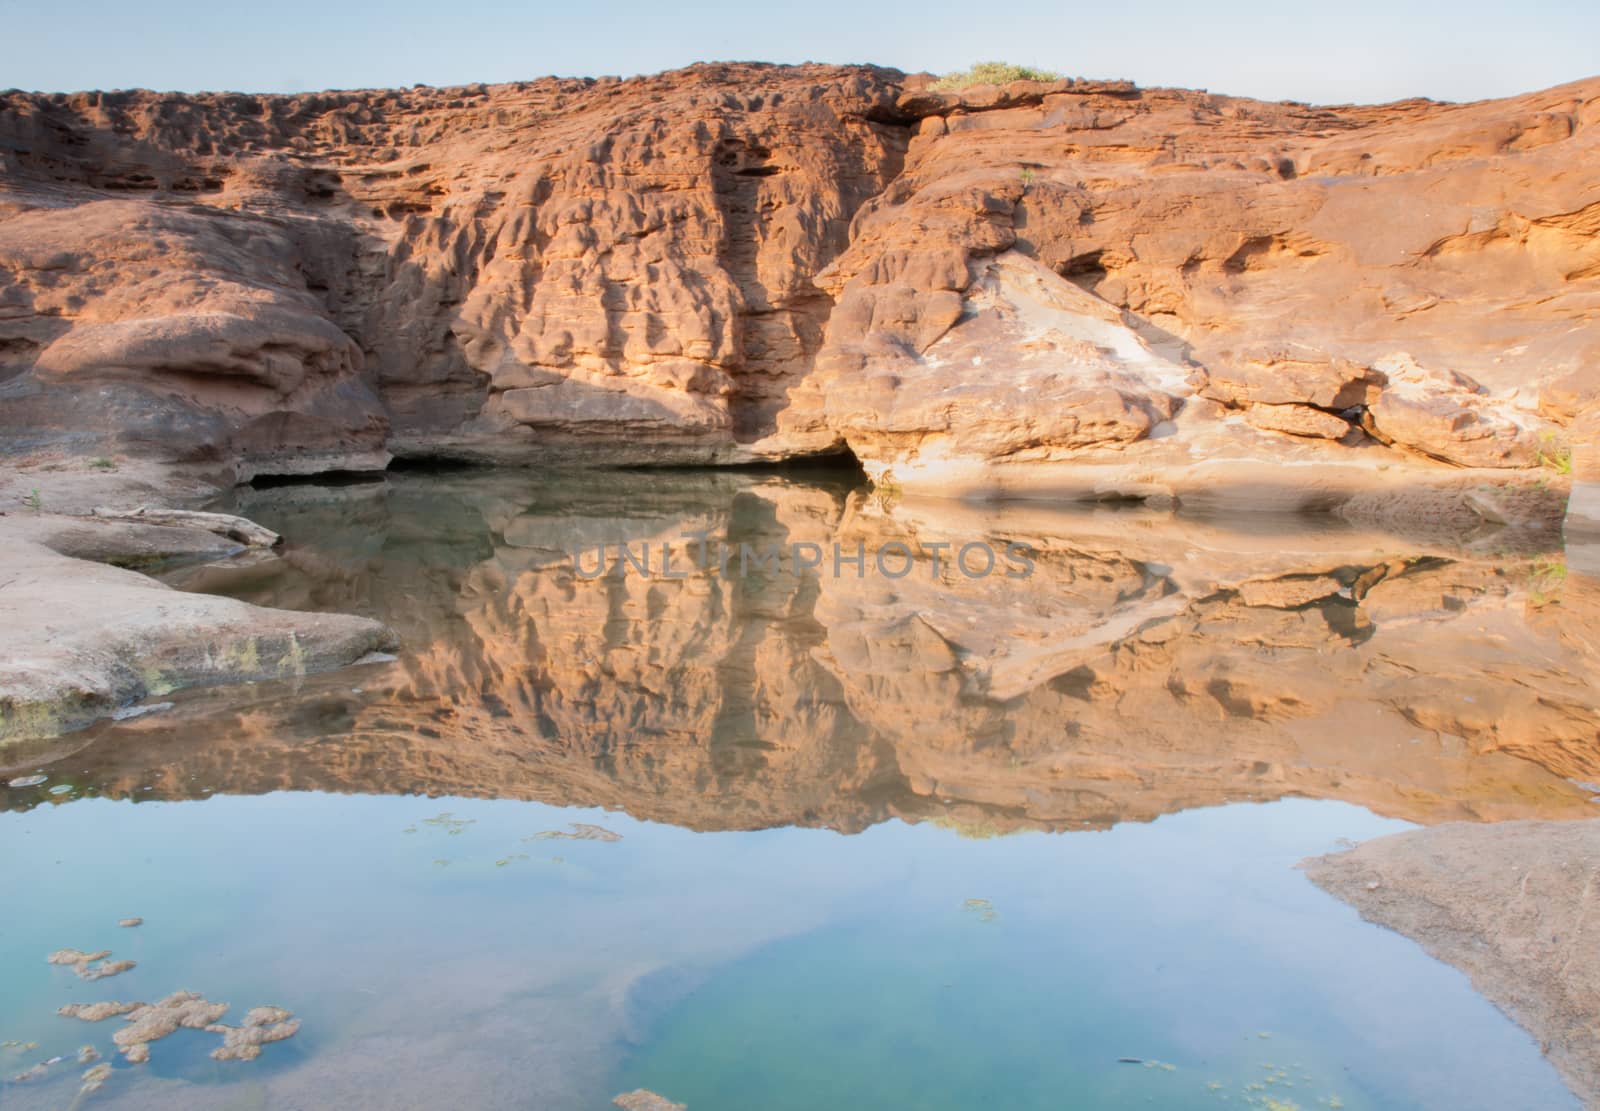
(1148, 665)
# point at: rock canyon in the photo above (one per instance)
(1286, 405)
(1053, 289)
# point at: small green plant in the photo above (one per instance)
(1553, 454)
(1545, 579)
(1027, 177)
(976, 829)
(886, 493)
(994, 73)
(103, 464)
(33, 501)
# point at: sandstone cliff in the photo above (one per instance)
(1062, 289)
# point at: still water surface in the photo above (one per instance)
(839, 841)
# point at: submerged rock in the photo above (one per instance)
(983, 908)
(643, 1099)
(149, 1022)
(90, 966)
(260, 1027)
(152, 1022)
(95, 1077)
(581, 831)
(105, 968)
(96, 1012)
(76, 956)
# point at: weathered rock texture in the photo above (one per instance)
(1511, 904)
(1061, 289)
(83, 639)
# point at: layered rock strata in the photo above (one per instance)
(1063, 289)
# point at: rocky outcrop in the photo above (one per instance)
(1292, 253)
(1513, 905)
(186, 334)
(86, 635)
(742, 262)
(489, 271)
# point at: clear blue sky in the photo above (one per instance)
(1331, 50)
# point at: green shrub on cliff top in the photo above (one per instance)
(994, 73)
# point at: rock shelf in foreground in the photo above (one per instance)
(1511, 904)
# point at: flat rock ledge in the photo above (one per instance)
(1511, 904)
(83, 638)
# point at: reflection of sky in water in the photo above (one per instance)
(778, 968)
(478, 965)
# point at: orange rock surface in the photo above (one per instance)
(1066, 288)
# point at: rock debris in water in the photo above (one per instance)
(445, 821)
(643, 1099)
(261, 1026)
(581, 831)
(76, 956)
(87, 1055)
(96, 1012)
(90, 966)
(95, 1077)
(28, 781)
(150, 1022)
(129, 923)
(983, 908)
(104, 969)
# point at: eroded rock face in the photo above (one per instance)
(734, 262)
(182, 332)
(1285, 254)
(629, 262)
(1040, 371)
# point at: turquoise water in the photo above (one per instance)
(780, 968)
(827, 869)
(1190, 944)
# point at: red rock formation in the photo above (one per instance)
(1067, 287)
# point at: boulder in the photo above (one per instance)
(1452, 418)
(1289, 376)
(1297, 420)
(84, 639)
